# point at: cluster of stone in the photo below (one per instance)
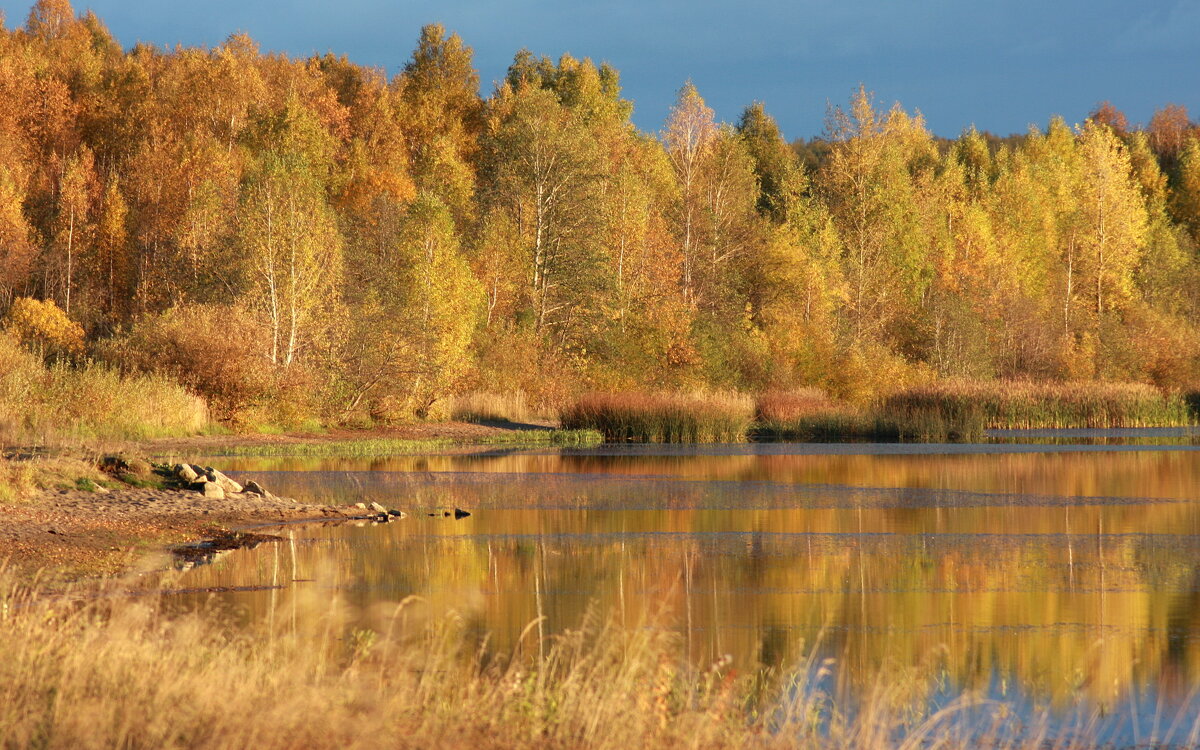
(215, 485)
(380, 514)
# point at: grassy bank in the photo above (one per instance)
(43, 403)
(74, 404)
(388, 446)
(119, 672)
(86, 402)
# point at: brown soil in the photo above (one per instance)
(65, 535)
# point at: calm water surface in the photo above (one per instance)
(1053, 577)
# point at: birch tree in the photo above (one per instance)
(287, 235)
(546, 170)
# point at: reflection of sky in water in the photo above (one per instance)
(1060, 579)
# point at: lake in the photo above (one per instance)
(1060, 579)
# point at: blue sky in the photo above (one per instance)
(998, 65)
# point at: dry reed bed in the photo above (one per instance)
(121, 672)
(489, 406)
(948, 410)
(663, 417)
(810, 414)
(967, 408)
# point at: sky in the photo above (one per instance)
(998, 65)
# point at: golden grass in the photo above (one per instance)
(489, 406)
(41, 404)
(698, 417)
(119, 673)
(114, 671)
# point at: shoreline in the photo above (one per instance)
(465, 433)
(65, 533)
(61, 534)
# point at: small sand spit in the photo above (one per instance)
(71, 534)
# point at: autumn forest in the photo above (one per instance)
(305, 239)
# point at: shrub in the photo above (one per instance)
(42, 326)
(217, 351)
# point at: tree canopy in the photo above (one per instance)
(386, 243)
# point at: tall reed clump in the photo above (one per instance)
(89, 401)
(810, 414)
(663, 417)
(964, 409)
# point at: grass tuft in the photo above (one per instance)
(22, 476)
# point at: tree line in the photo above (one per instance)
(307, 237)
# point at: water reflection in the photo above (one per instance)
(1049, 575)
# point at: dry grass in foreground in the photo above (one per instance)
(119, 672)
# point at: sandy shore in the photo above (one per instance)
(68, 534)
(65, 535)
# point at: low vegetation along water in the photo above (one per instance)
(1055, 583)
